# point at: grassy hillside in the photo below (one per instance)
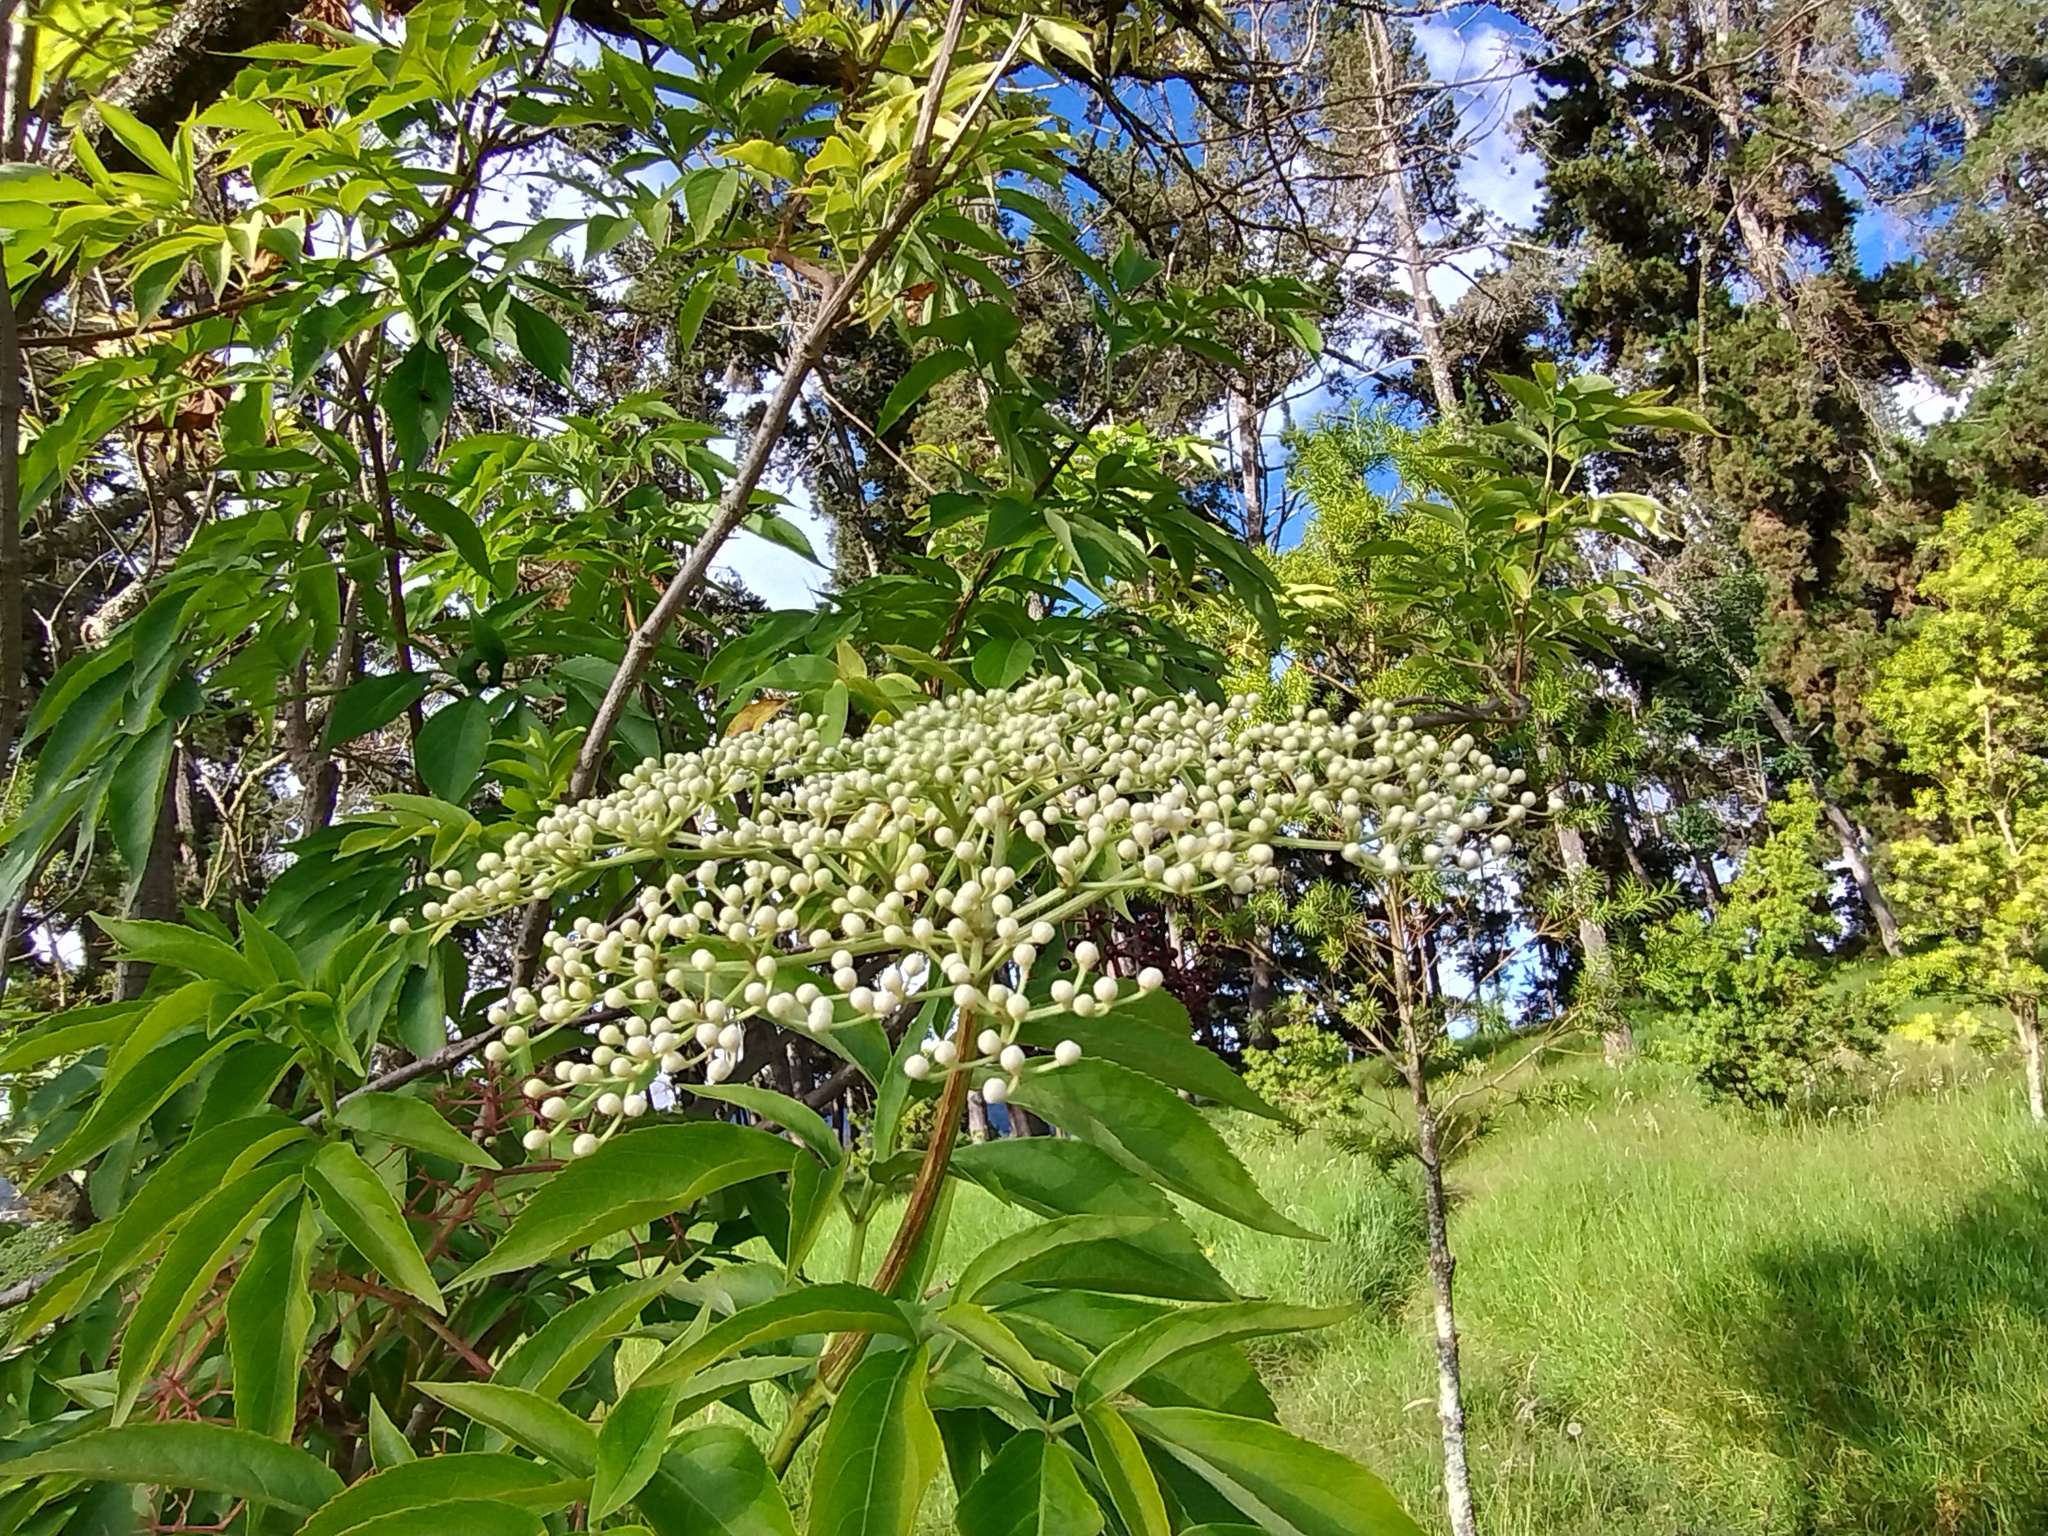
(1686, 1321)
(1682, 1320)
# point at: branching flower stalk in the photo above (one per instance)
(942, 854)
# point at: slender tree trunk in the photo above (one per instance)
(977, 1117)
(1616, 1037)
(1927, 54)
(1450, 1402)
(1251, 468)
(1624, 801)
(17, 64)
(1710, 883)
(1394, 170)
(1853, 855)
(13, 577)
(1259, 1002)
(1025, 1123)
(1766, 249)
(2026, 1015)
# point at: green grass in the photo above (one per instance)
(1683, 1320)
(1680, 1319)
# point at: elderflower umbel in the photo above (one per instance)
(821, 886)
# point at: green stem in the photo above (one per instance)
(856, 1245)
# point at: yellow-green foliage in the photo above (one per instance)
(1759, 1026)
(1967, 699)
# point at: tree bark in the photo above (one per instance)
(186, 66)
(1394, 169)
(1616, 1037)
(1710, 883)
(1450, 1402)
(1853, 855)
(2026, 1015)
(1251, 469)
(1927, 54)
(13, 575)
(1259, 1000)
(17, 67)
(977, 1117)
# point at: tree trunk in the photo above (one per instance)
(977, 1117)
(184, 67)
(1251, 468)
(1616, 1037)
(2026, 1015)
(1025, 1123)
(1710, 883)
(1450, 1391)
(1874, 899)
(1450, 1401)
(1764, 244)
(1259, 1000)
(1865, 877)
(1394, 170)
(1928, 55)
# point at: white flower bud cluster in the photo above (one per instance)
(811, 884)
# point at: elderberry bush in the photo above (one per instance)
(816, 880)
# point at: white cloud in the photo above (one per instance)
(1484, 61)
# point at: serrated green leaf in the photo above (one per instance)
(209, 1458)
(439, 515)
(715, 1482)
(269, 1315)
(1181, 1333)
(417, 395)
(372, 703)
(388, 1447)
(840, 1307)
(1151, 1033)
(1000, 1259)
(1031, 1489)
(1152, 1130)
(1120, 1462)
(411, 1123)
(131, 1101)
(989, 1334)
(918, 381)
(630, 1180)
(135, 796)
(540, 1424)
(141, 141)
(209, 1161)
(630, 1444)
(560, 1350)
(880, 1450)
(457, 1477)
(794, 1116)
(202, 954)
(355, 1200)
(187, 1271)
(71, 1033)
(469, 1517)
(542, 341)
(1000, 662)
(1290, 1486)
